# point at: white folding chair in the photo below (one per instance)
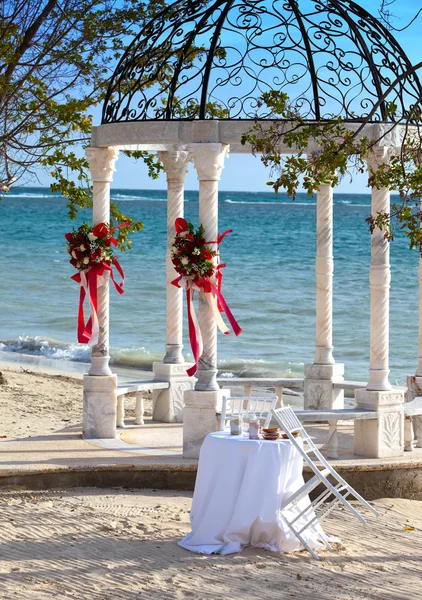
(307, 514)
(246, 406)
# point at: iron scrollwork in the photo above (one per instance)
(199, 59)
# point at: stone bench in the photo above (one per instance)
(138, 387)
(411, 409)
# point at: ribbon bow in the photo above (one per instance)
(214, 297)
(89, 281)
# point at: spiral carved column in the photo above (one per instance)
(102, 166)
(324, 277)
(381, 437)
(176, 166)
(414, 382)
(209, 162)
(379, 278)
(319, 390)
(100, 386)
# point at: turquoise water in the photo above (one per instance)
(269, 283)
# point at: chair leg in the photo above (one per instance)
(300, 538)
(139, 409)
(120, 417)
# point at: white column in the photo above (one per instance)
(209, 161)
(419, 369)
(102, 166)
(324, 268)
(384, 436)
(100, 386)
(204, 402)
(414, 382)
(379, 279)
(168, 403)
(320, 376)
(176, 166)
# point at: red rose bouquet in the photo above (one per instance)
(90, 246)
(191, 256)
(91, 251)
(197, 264)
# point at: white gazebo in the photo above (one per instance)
(187, 89)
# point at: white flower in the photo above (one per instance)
(184, 260)
(86, 260)
(74, 254)
(174, 249)
(195, 267)
(92, 237)
(81, 247)
(196, 251)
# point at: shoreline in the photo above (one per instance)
(65, 367)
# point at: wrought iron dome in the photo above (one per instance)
(202, 59)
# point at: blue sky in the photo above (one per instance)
(244, 172)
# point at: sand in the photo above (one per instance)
(34, 402)
(121, 544)
(108, 544)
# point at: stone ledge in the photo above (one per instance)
(400, 481)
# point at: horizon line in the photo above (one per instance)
(220, 191)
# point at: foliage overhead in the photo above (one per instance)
(338, 151)
(54, 70)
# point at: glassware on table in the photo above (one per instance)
(236, 426)
(254, 428)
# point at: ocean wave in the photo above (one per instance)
(266, 203)
(47, 347)
(142, 359)
(132, 198)
(23, 195)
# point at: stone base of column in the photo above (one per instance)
(99, 407)
(319, 392)
(174, 354)
(382, 437)
(200, 417)
(100, 366)
(168, 404)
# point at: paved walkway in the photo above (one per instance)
(150, 444)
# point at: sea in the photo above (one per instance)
(269, 284)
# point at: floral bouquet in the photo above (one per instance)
(190, 255)
(92, 254)
(89, 247)
(198, 267)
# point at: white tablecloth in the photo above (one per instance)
(240, 487)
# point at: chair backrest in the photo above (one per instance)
(246, 406)
(290, 424)
(288, 420)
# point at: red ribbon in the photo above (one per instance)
(85, 330)
(193, 333)
(206, 286)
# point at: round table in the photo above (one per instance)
(240, 487)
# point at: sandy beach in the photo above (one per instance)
(35, 402)
(90, 543)
(107, 544)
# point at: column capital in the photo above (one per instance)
(102, 162)
(209, 160)
(175, 163)
(379, 155)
